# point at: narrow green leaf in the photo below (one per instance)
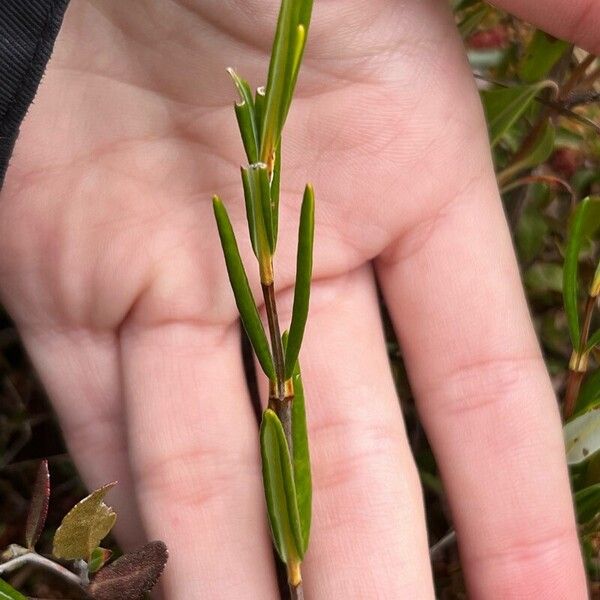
(246, 117)
(8, 592)
(302, 471)
(84, 526)
(279, 486)
(589, 394)
(543, 52)
(593, 341)
(584, 222)
(275, 190)
(286, 55)
(582, 436)
(301, 458)
(587, 503)
(241, 290)
(261, 194)
(505, 106)
(295, 54)
(276, 80)
(242, 112)
(250, 210)
(259, 110)
(304, 261)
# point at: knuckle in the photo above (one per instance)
(486, 385)
(193, 477)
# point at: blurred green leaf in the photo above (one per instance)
(543, 52)
(505, 106)
(472, 19)
(589, 394)
(582, 436)
(280, 489)
(587, 503)
(585, 220)
(539, 152)
(98, 559)
(7, 592)
(542, 278)
(38, 509)
(241, 290)
(304, 263)
(84, 526)
(530, 234)
(593, 341)
(302, 474)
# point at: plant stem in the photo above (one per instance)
(297, 592)
(280, 395)
(32, 558)
(578, 366)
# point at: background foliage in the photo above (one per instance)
(541, 98)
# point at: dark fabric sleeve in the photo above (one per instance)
(28, 29)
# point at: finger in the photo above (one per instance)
(452, 285)
(194, 445)
(368, 536)
(575, 20)
(79, 370)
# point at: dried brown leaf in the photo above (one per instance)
(132, 575)
(38, 510)
(84, 526)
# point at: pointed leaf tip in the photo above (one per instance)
(304, 266)
(38, 510)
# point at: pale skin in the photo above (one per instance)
(111, 267)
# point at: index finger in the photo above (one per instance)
(575, 20)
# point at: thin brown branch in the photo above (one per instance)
(297, 592)
(577, 74)
(32, 558)
(280, 398)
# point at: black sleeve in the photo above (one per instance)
(28, 29)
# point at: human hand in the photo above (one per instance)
(111, 267)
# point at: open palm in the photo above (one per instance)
(110, 265)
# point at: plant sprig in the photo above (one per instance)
(284, 443)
